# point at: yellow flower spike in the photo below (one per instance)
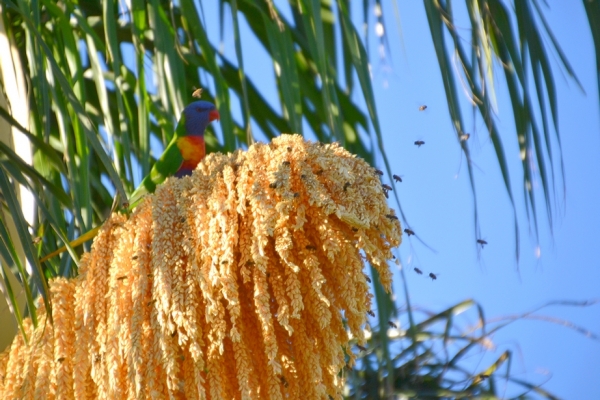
(230, 283)
(46, 370)
(63, 296)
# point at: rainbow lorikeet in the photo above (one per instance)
(180, 158)
(184, 152)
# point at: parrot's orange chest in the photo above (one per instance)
(192, 150)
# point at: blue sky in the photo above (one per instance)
(436, 198)
(439, 207)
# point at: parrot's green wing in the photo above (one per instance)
(168, 163)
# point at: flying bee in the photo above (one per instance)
(289, 149)
(392, 325)
(409, 232)
(418, 271)
(419, 143)
(354, 229)
(433, 276)
(286, 163)
(363, 349)
(482, 242)
(296, 194)
(134, 257)
(392, 216)
(397, 178)
(273, 185)
(386, 187)
(423, 107)
(310, 247)
(346, 186)
(464, 137)
(379, 172)
(122, 278)
(197, 93)
(61, 359)
(371, 313)
(367, 278)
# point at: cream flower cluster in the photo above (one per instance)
(244, 280)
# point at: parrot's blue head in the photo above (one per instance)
(198, 115)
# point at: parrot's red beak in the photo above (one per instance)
(214, 114)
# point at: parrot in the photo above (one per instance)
(184, 152)
(179, 159)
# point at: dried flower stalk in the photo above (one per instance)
(241, 281)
